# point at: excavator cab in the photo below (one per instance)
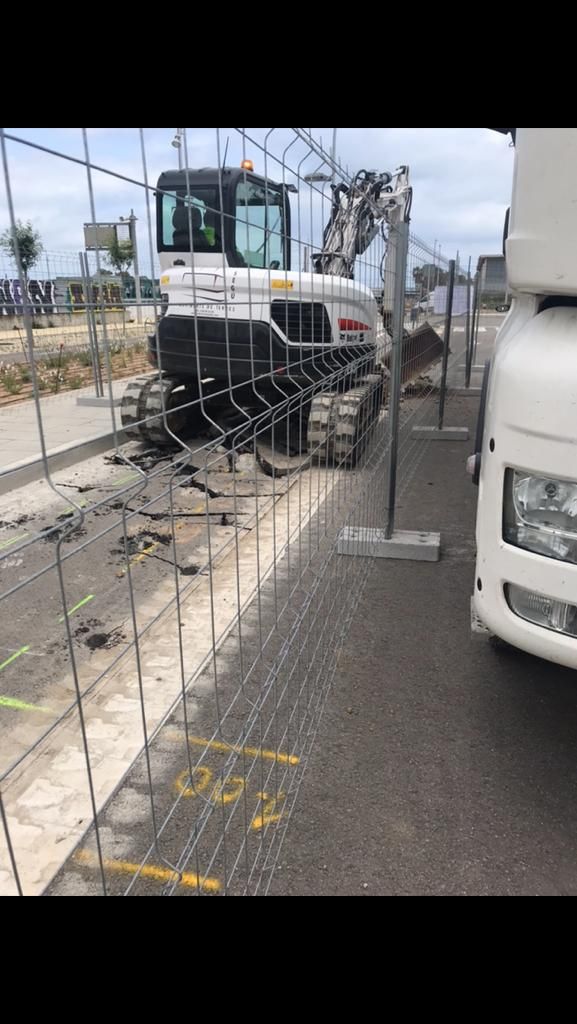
(203, 215)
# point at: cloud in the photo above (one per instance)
(461, 176)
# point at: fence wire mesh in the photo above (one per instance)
(174, 606)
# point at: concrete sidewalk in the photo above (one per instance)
(65, 424)
(441, 767)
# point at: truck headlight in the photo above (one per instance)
(540, 514)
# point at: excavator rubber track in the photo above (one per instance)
(133, 408)
(156, 410)
(153, 409)
(340, 423)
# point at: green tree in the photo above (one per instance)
(27, 244)
(120, 256)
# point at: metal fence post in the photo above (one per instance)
(400, 237)
(91, 325)
(137, 292)
(468, 328)
(476, 323)
(471, 335)
(446, 341)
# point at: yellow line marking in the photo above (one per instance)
(265, 755)
(159, 874)
(125, 479)
(152, 547)
(21, 705)
(182, 522)
(14, 656)
(145, 551)
(139, 557)
(84, 601)
(7, 543)
(226, 748)
(74, 508)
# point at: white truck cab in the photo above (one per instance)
(526, 570)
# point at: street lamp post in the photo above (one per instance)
(177, 143)
(318, 174)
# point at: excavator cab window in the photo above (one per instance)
(260, 232)
(193, 215)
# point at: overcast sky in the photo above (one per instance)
(461, 176)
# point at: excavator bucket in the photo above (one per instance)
(421, 348)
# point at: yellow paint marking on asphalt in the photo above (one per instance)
(226, 748)
(189, 879)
